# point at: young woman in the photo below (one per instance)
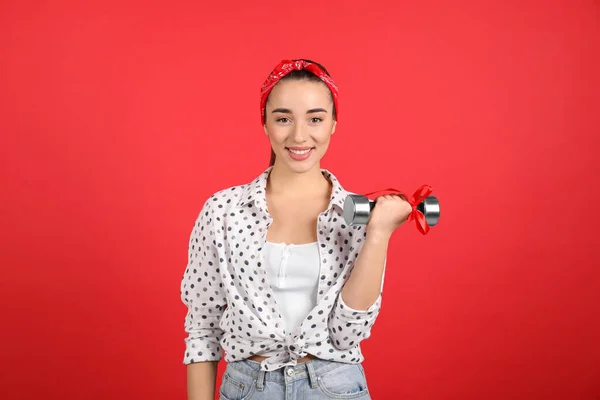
(275, 277)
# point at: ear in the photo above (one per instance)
(265, 129)
(334, 125)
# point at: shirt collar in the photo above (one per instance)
(255, 191)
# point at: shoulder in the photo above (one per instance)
(235, 195)
(223, 199)
(216, 206)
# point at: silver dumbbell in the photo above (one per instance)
(357, 209)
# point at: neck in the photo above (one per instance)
(307, 184)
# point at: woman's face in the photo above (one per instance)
(299, 114)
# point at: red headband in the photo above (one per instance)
(284, 68)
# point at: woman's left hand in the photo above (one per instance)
(390, 211)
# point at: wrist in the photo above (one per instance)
(378, 236)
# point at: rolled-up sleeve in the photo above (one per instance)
(347, 326)
(202, 292)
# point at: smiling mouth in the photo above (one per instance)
(300, 152)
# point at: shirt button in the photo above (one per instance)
(290, 372)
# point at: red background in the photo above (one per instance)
(118, 119)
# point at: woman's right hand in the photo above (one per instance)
(201, 380)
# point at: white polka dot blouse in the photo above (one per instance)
(231, 306)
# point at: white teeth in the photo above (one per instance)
(299, 152)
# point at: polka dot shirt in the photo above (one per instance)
(230, 303)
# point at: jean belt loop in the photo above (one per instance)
(312, 375)
(260, 381)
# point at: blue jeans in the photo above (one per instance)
(314, 379)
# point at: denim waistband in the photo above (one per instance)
(301, 370)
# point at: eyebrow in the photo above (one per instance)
(288, 111)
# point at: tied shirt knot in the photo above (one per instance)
(295, 346)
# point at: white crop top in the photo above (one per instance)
(293, 273)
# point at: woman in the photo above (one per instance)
(268, 261)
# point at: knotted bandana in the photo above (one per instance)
(284, 68)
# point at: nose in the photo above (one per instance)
(299, 133)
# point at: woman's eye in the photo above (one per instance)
(281, 119)
(316, 119)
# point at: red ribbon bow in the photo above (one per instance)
(284, 68)
(419, 195)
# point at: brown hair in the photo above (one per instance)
(300, 75)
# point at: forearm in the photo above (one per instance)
(201, 380)
(364, 284)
